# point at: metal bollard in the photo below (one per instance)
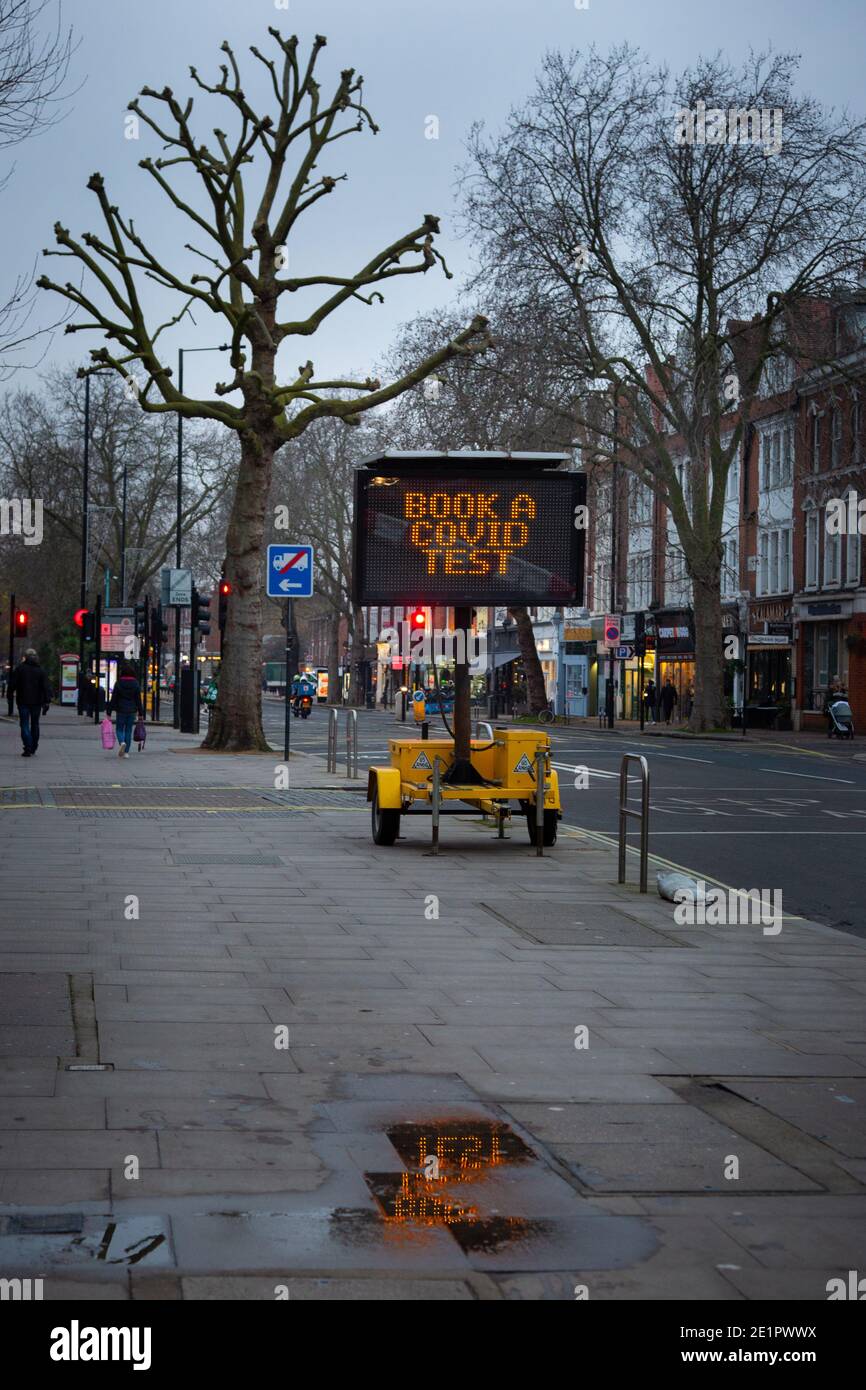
(642, 815)
(333, 729)
(540, 790)
(351, 743)
(436, 800)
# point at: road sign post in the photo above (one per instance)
(289, 576)
(287, 735)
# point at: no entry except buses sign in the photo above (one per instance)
(448, 534)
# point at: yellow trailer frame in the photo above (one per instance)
(512, 764)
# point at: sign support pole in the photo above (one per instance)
(98, 660)
(287, 736)
(10, 697)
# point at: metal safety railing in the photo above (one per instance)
(483, 730)
(351, 740)
(540, 794)
(642, 815)
(333, 731)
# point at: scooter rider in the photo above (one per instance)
(302, 685)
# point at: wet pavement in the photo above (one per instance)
(328, 1070)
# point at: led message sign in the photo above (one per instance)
(449, 537)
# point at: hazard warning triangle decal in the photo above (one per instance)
(423, 762)
(524, 765)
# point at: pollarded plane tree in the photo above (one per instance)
(245, 285)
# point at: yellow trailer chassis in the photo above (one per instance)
(514, 764)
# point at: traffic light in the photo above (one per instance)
(140, 619)
(417, 619)
(22, 622)
(161, 628)
(225, 589)
(87, 622)
(200, 613)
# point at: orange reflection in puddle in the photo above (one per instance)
(438, 1157)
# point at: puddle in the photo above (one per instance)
(443, 1158)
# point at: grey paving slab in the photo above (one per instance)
(326, 1290)
(832, 1111)
(682, 1165)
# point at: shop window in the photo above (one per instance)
(812, 550)
(730, 567)
(852, 560)
(836, 437)
(832, 559)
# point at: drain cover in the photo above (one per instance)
(61, 1223)
(557, 923)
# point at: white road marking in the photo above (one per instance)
(596, 771)
(657, 753)
(813, 776)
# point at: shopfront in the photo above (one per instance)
(675, 651)
(578, 648)
(824, 654)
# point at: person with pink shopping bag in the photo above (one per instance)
(126, 702)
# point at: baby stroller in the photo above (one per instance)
(840, 719)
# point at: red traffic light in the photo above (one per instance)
(80, 615)
(21, 618)
(418, 618)
(225, 588)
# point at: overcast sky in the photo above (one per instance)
(460, 60)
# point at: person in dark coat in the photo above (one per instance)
(668, 699)
(649, 699)
(126, 703)
(29, 684)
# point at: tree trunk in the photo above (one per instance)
(334, 661)
(535, 688)
(236, 721)
(358, 637)
(708, 709)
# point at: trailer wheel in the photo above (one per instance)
(550, 822)
(386, 824)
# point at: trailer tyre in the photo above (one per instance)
(550, 822)
(386, 824)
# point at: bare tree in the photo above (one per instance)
(517, 396)
(313, 480)
(34, 62)
(242, 285)
(651, 238)
(41, 457)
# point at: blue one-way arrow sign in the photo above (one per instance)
(290, 571)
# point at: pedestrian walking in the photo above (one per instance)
(649, 698)
(688, 702)
(126, 703)
(29, 684)
(668, 699)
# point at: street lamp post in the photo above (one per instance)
(224, 347)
